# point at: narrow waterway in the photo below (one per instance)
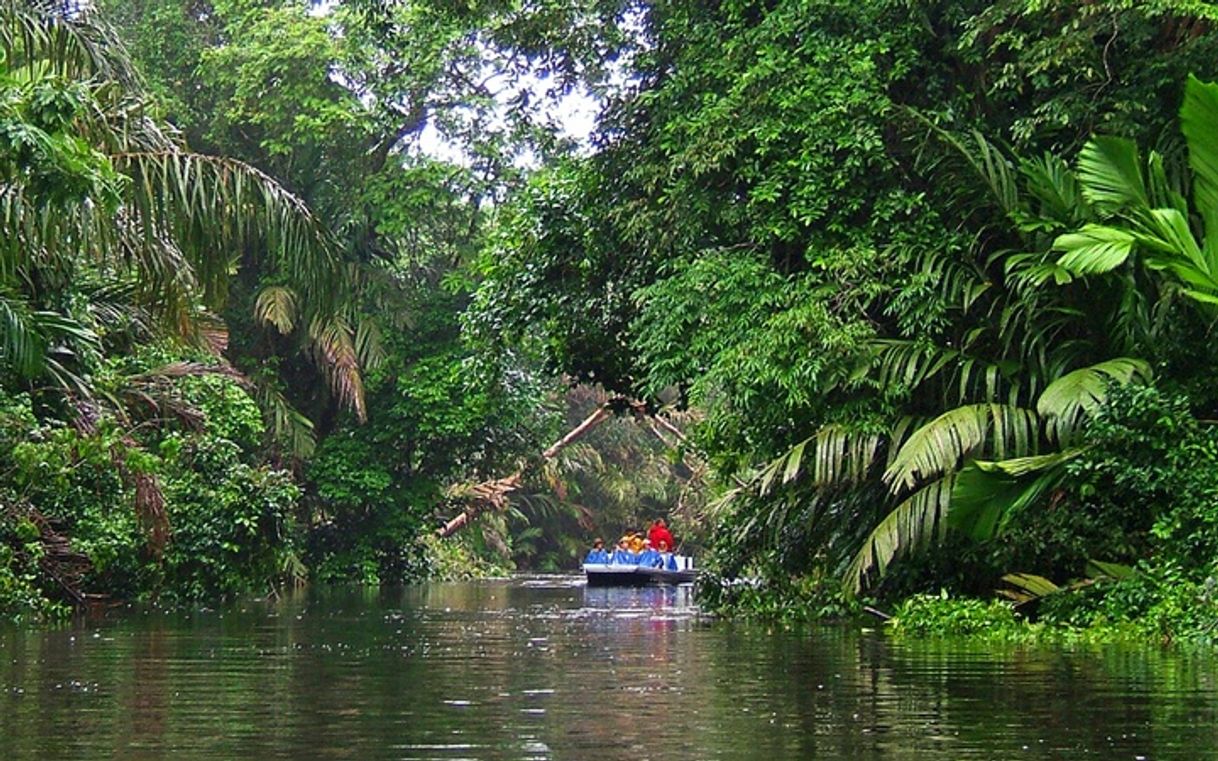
(545, 668)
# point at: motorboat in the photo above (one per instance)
(630, 575)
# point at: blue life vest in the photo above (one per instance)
(651, 559)
(597, 557)
(672, 563)
(623, 557)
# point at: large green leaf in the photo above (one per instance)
(1199, 123)
(1075, 395)
(987, 494)
(940, 446)
(1110, 173)
(916, 522)
(1094, 249)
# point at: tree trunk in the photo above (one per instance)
(493, 495)
(490, 495)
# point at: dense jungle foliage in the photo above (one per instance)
(899, 301)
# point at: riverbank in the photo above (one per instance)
(1147, 607)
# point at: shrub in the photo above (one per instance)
(942, 615)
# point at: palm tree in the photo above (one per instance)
(111, 230)
(92, 181)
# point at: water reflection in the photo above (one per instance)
(546, 668)
(657, 600)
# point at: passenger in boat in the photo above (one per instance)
(597, 554)
(636, 542)
(659, 533)
(622, 555)
(671, 563)
(649, 557)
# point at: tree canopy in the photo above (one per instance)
(921, 285)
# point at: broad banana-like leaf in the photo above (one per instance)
(1097, 569)
(940, 446)
(1075, 395)
(987, 494)
(919, 520)
(1110, 174)
(1199, 122)
(1094, 249)
(1035, 586)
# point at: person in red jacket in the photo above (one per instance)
(660, 536)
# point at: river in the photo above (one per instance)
(545, 668)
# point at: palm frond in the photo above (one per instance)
(938, 447)
(915, 522)
(276, 305)
(22, 344)
(1054, 187)
(27, 337)
(213, 206)
(1094, 249)
(79, 47)
(288, 426)
(838, 456)
(369, 347)
(1076, 395)
(334, 349)
(958, 374)
(983, 159)
(174, 370)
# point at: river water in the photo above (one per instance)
(545, 668)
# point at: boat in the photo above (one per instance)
(627, 575)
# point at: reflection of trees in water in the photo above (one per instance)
(604, 673)
(1112, 701)
(149, 707)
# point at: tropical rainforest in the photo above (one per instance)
(905, 304)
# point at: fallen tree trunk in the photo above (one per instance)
(493, 495)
